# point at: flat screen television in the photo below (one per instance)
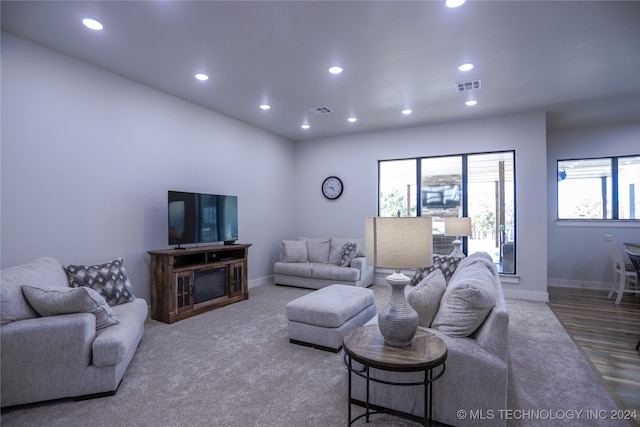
(202, 218)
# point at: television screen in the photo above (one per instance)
(202, 218)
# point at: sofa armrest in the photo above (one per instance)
(366, 271)
(66, 338)
(493, 335)
(360, 263)
(45, 356)
(116, 343)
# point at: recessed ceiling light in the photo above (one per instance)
(466, 66)
(471, 102)
(202, 77)
(335, 70)
(407, 111)
(265, 107)
(454, 3)
(352, 119)
(92, 24)
(305, 126)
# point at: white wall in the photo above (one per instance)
(88, 157)
(354, 159)
(577, 254)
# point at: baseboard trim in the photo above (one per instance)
(266, 280)
(579, 284)
(526, 295)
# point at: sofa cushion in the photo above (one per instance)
(44, 271)
(425, 297)
(318, 249)
(54, 300)
(294, 251)
(446, 264)
(466, 302)
(333, 272)
(300, 269)
(479, 259)
(349, 251)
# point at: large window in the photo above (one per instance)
(480, 186)
(397, 188)
(597, 189)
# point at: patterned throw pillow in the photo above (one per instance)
(348, 252)
(446, 264)
(109, 280)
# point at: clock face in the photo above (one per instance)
(332, 187)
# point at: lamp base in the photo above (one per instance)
(398, 321)
(457, 250)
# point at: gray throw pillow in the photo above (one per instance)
(53, 300)
(294, 251)
(425, 297)
(318, 249)
(45, 271)
(466, 303)
(349, 251)
(109, 280)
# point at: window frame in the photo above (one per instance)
(465, 196)
(615, 191)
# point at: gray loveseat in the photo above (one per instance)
(65, 355)
(477, 366)
(318, 262)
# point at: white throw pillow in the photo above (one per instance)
(425, 297)
(55, 300)
(295, 251)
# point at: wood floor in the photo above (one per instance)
(607, 334)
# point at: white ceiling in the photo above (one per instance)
(578, 60)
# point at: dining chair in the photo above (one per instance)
(635, 260)
(624, 273)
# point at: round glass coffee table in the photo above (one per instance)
(366, 346)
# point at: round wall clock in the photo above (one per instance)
(332, 187)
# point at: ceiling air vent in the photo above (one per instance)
(467, 86)
(321, 110)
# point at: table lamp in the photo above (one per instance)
(398, 243)
(458, 227)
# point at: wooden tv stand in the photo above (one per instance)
(191, 281)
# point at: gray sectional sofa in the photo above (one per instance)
(60, 341)
(470, 315)
(318, 262)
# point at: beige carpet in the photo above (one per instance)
(235, 367)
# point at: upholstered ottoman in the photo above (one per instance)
(322, 318)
